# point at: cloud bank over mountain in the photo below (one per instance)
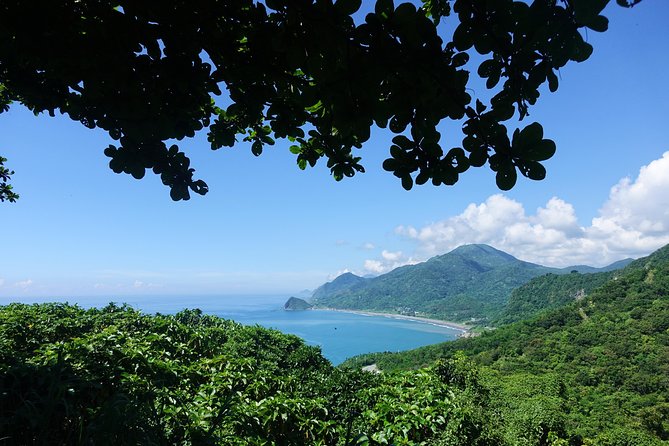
(632, 222)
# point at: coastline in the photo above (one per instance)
(447, 324)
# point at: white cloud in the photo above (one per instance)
(24, 284)
(368, 246)
(374, 266)
(143, 285)
(331, 277)
(636, 215)
(388, 262)
(559, 215)
(481, 223)
(391, 256)
(633, 222)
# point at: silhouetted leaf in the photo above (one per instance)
(506, 177)
(539, 151)
(348, 7)
(384, 8)
(407, 182)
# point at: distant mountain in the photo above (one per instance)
(659, 257)
(295, 303)
(304, 294)
(470, 282)
(591, 269)
(341, 284)
(620, 264)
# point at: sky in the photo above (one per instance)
(267, 227)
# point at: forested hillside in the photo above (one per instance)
(549, 292)
(473, 281)
(601, 363)
(470, 282)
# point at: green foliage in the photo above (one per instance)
(116, 376)
(73, 376)
(594, 371)
(421, 408)
(534, 408)
(303, 71)
(6, 192)
(549, 292)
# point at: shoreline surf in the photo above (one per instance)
(438, 322)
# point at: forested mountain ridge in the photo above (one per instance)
(470, 282)
(609, 353)
(548, 292)
(341, 284)
(620, 264)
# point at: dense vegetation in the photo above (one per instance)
(70, 376)
(470, 282)
(599, 366)
(592, 372)
(549, 292)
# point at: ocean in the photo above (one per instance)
(340, 335)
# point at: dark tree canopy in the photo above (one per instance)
(150, 72)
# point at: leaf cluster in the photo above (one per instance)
(6, 192)
(149, 73)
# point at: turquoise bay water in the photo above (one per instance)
(340, 335)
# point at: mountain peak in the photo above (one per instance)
(484, 255)
(480, 248)
(341, 283)
(346, 275)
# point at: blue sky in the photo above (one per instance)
(267, 227)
